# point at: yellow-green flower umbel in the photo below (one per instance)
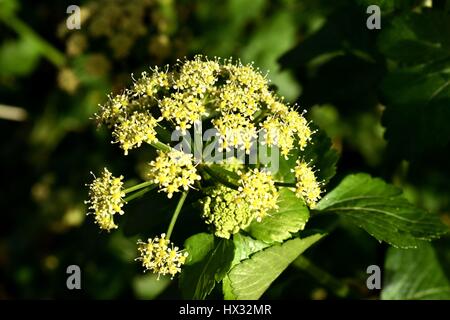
(106, 199)
(237, 103)
(235, 96)
(221, 210)
(159, 256)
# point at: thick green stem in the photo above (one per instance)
(339, 288)
(140, 186)
(175, 214)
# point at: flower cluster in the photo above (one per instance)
(135, 129)
(236, 101)
(307, 185)
(257, 190)
(173, 171)
(237, 97)
(160, 256)
(235, 131)
(221, 210)
(106, 199)
(183, 109)
(284, 127)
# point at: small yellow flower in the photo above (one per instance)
(173, 171)
(159, 256)
(233, 97)
(257, 190)
(307, 185)
(235, 131)
(106, 199)
(113, 110)
(277, 107)
(282, 128)
(299, 125)
(183, 109)
(197, 77)
(135, 129)
(247, 76)
(149, 85)
(277, 133)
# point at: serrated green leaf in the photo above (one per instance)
(414, 274)
(209, 261)
(244, 247)
(279, 225)
(249, 279)
(381, 210)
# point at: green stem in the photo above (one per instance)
(339, 288)
(219, 177)
(139, 186)
(175, 214)
(161, 146)
(47, 50)
(138, 194)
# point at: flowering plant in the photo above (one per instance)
(257, 178)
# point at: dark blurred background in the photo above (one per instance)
(383, 96)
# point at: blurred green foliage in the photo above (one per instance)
(383, 96)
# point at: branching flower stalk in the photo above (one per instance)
(236, 102)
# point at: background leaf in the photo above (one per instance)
(322, 155)
(417, 38)
(208, 262)
(414, 274)
(417, 96)
(249, 279)
(381, 210)
(280, 224)
(418, 109)
(19, 57)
